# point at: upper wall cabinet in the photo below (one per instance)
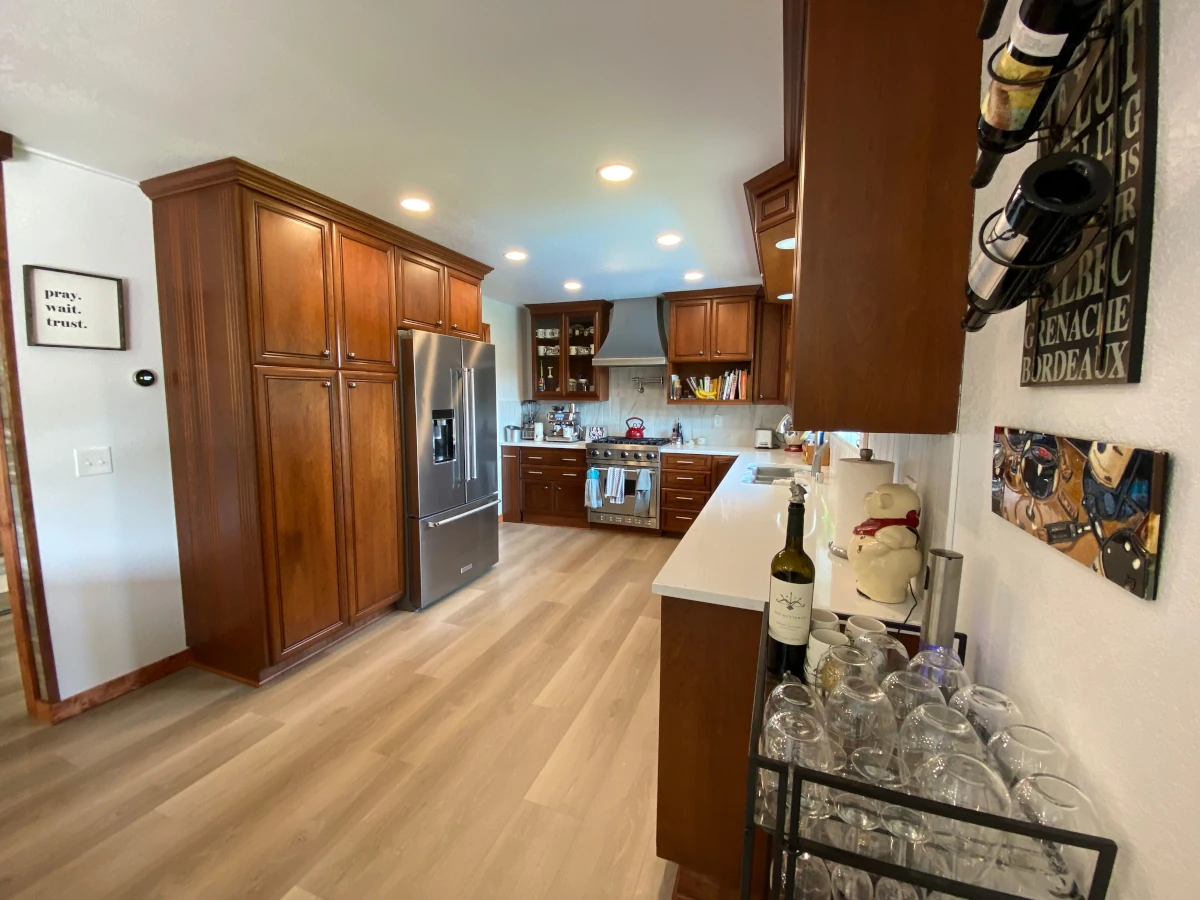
(563, 339)
(366, 299)
(771, 199)
(714, 325)
(464, 305)
(422, 293)
(884, 213)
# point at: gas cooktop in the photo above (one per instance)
(634, 442)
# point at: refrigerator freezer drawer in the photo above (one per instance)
(453, 548)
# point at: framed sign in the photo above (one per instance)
(1091, 328)
(74, 309)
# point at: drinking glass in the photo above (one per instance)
(812, 879)
(908, 690)
(987, 709)
(857, 714)
(885, 651)
(959, 849)
(931, 730)
(887, 889)
(796, 697)
(1021, 750)
(849, 883)
(799, 739)
(943, 668)
(840, 663)
(1060, 870)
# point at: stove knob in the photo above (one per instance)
(637, 456)
(624, 454)
(651, 455)
(607, 454)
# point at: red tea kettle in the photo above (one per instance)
(635, 431)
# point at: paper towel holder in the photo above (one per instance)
(866, 454)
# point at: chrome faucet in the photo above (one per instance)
(818, 455)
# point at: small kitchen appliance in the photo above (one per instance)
(762, 438)
(637, 430)
(562, 424)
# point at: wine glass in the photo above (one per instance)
(941, 667)
(931, 730)
(839, 663)
(1021, 750)
(886, 652)
(799, 739)
(987, 709)
(857, 714)
(797, 697)
(812, 879)
(908, 690)
(850, 883)
(888, 889)
(1061, 870)
(957, 849)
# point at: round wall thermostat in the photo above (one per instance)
(144, 377)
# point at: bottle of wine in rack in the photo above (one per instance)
(1044, 38)
(1053, 201)
(790, 612)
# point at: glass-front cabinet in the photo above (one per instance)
(564, 340)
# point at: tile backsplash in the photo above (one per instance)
(624, 402)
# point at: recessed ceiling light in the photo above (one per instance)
(572, 285)
(693, 276)
(784, 297)
(516, 255)
(668, 240)
(415, 204)
(786, 244)
(616, 172)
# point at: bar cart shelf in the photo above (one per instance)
(785, 843)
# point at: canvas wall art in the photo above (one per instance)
(1101, 504)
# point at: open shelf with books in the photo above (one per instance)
(710, 382)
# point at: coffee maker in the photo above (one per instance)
(562, 424)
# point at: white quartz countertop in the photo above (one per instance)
(704, 450)
(570, 445)
(725, 557)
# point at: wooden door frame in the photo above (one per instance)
(40, 699)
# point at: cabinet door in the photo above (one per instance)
(301, 487)
(537, 497)
(732, 328)
(289, 266)
(688, 337)
(721, 467)
(374, 525)
(422, 294)
(547, 342)
(510, 483)
(568, 500)
(464, 305)
(366, 299)
(771, 356)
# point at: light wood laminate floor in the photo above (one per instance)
(502, 744)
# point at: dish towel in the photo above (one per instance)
(591, 490)
(614, 489)
(641, 500)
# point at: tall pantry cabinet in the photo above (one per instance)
(279, 310)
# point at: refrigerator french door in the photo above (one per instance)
(451, 465)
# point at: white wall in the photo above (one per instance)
(509, 335)
(1113, 676)
(110, 559)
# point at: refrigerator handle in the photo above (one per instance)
(468, 437)
(474, 429)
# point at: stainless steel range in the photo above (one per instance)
(634, 456)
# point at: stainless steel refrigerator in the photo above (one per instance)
(450, 443)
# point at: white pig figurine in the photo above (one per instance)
(886, 549)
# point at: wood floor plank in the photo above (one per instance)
(526, 858)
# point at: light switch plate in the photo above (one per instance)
(93, 461)
(717, 420)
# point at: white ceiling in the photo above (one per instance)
(497, 112)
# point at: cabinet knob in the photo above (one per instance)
(453, 327)
(350, 355)
(438, 323)
(325, 353)
(718, 353)
(325, 384)
(353, 384)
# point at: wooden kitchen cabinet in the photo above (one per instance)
(552, 482)
(556, 328)
(510, 484)
(365, 292)
(720, 468)
(278, 311)
(537, 498)
(464, 305)
(373, 500)
(733, 328)
(289, 261)
(568, 500)
(711, 333)
(300, 465)
(772, 357)
(689, 334)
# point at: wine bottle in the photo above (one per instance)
(790, 610)
(1043, 40)
(989, 19)
(1053, 201)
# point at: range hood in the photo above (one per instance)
(635, 335)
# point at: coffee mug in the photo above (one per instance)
(857, 626)
(819, 642)
(824, 618)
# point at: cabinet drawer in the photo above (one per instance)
(684, 500)
(559, 474)
(677, 522)
(553, 457)
(684, 461)
(685, 479)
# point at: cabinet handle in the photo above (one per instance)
(684, 478)
(571, 474)
(453, 327)
(353, 384)
(531, 472)
(760, 396)
(685, 462)
(350, 355)
(325, 384)
(533, 457)
(718, 353)
(325, 353)
(438, 323)
(689, 518)
(681, 497)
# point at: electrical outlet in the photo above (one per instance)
(717, 421)
(93, 461)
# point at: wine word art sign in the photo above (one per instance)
(1101, 504)
(72, 309)
(1090, 329)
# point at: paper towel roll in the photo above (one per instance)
(856, 477)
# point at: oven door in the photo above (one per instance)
(630, 512)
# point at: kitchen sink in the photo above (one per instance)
(771, 474)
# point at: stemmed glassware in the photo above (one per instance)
(943, 668)
(1021, 750)
(931, 730)
(886, 652)
(857, 714)
(1059, 870)
(799, 739)
(908, 690)
(957, 849)
(839, 663)
(987, 709)
(796, 697)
